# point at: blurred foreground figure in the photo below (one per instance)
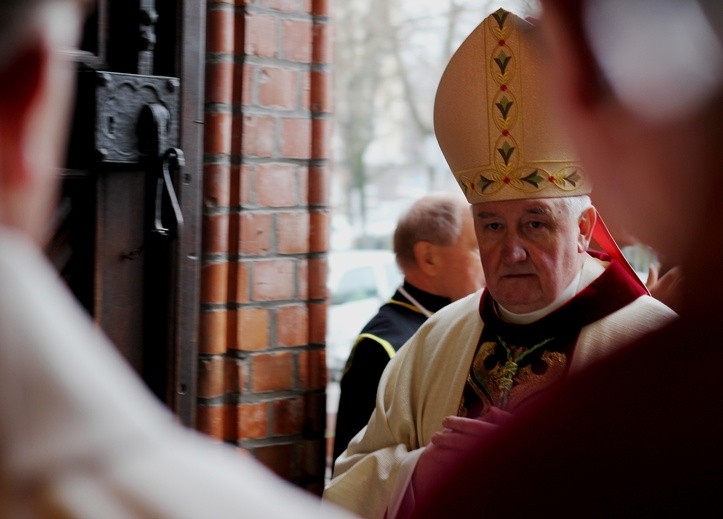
(436, 250)
(79, 434)
(550, 306)
(638, 434)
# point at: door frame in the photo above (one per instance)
(191, 39)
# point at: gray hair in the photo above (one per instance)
(576, 205)
(436, 218)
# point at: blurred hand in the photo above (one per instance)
(667, 288)
(459, 436)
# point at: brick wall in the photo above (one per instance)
(262, 373)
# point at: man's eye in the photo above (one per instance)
(494, 226)
(536, 225)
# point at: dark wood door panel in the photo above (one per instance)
(141, 287)
(120, 261)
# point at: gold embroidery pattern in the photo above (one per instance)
(506, 169)
(503, 383)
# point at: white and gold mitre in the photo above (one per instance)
(494, 124)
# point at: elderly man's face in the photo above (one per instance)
(530, 250)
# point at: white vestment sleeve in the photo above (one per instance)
(82, 437)
(406, 469)
(421, 385)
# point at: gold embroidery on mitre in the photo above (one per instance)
(509, 80)
(526, 180)
(504, 107)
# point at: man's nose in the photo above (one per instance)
(513, 250)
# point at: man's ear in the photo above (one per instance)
(21, 84)
(586, 224)
(425, 254)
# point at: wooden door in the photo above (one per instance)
(126, 234)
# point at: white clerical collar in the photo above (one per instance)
(590, 271)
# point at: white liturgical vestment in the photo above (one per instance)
(80, 436)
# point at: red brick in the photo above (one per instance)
(302, 279)
(318, 273)
(255, 233)
(219, 82)
(277, 88)
(273, 280)
(303, 177)
(210, 420)
(317, 323)
(277, 185)
(253, 421)
(220, 31)
(319, 231)
(297, 36)
(237, 142)
(296, 138)
(288, 416)
(212, 333)
(278, 458)
(251, 329)
(260, 35)
(214, 283)
(272, 372)
(320, 92)
(235, 375)
(239, 283)
(322, 44)
(292, 232)
(321, 7)
(217, 133)
(230, 422)
(234, 235)
(292, 325)
(244, 84)
(216, 185)
(215, 233)
(211, 377)
(305, 99)
(312, 369)
(321, 129)
(258, 136)
(243, 185)
(319, 185)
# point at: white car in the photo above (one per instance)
(359, 282)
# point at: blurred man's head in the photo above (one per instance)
(435, 246)
(514, 164)
(36, 84)
(639, 86)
